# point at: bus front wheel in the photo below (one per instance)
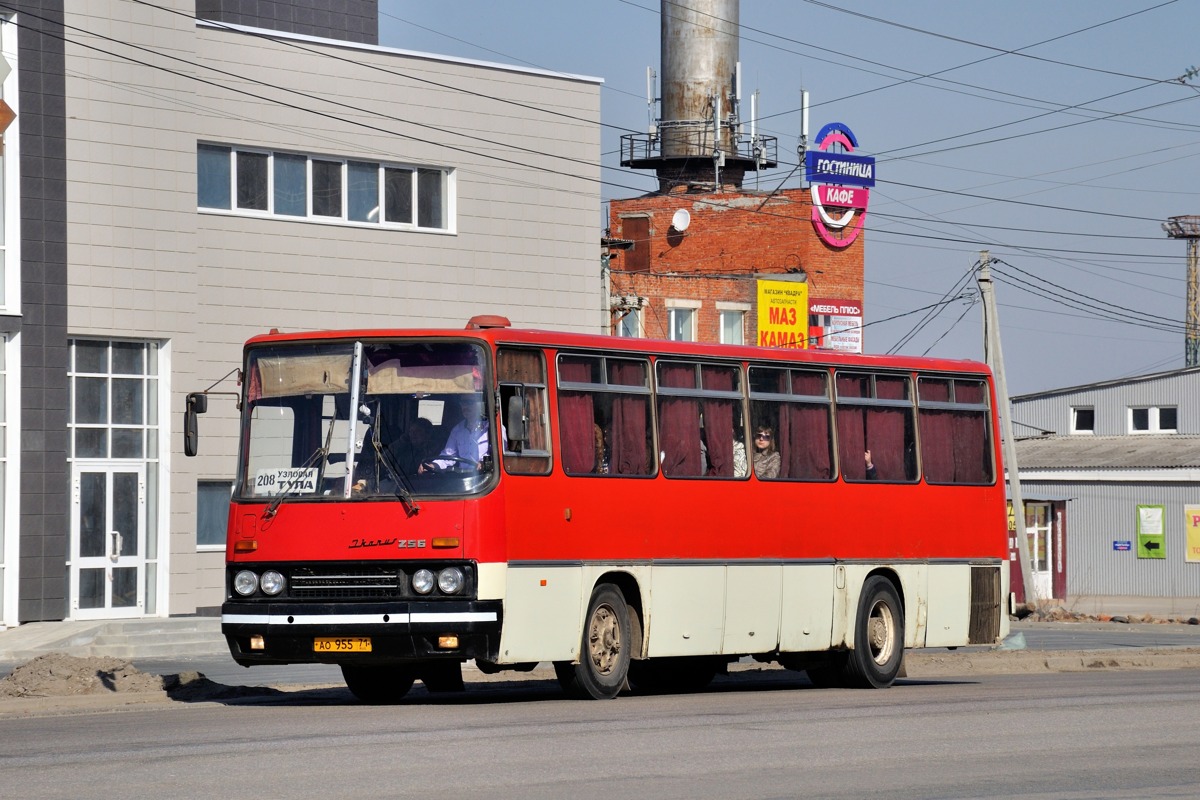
(376, 685)
(604, 654)
(878, 636)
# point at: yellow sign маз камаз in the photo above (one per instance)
(783, 314)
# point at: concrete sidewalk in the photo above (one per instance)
(155, 637)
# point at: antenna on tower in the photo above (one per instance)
(803, 120)
(652, 123)
(718, 155)
(737, 97)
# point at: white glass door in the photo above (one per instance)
(1038, 528)
(108, 541)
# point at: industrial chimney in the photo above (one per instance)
(699, 142)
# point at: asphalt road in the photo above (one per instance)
(1105, 734)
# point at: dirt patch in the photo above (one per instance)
(57, 675)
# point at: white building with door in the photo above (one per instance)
(1111, 476)
(181, 175)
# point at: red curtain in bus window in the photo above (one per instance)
(852, 428)
(629, 439)
(972, 449)
(937, 433)
(937, 445)
(679, 423)
(972, 455)
(804, 432)
(718, 421)
(885, 436)
(576, 421)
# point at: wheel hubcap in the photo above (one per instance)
(604, 640)
(880, 633)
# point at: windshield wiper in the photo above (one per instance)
(398, 473)
(291, 485)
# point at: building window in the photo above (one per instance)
(327, 189)
(681, 320)
(1083, 420)
(630, 323)
(114, 400)
(212, 512)
(213, 171)
(733, 323)
(1154, 419)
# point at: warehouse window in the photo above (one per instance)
(264, 183)
(1154, 419)
(1083, 420)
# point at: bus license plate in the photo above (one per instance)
(348, 644)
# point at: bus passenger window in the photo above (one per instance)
(604, 413)
(793, 406)
(956, 445)
(875, 414)
(526, 440)
(701, 432)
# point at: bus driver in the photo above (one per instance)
(467, 443)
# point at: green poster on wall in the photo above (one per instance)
(1151, 536)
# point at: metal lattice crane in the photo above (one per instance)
(1189, 228)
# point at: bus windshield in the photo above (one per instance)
(366, 420)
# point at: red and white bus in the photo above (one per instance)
(611, 512)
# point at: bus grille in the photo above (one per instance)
(340, 583)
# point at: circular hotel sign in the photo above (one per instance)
(840, 184)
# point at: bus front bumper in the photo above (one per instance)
(367, 633)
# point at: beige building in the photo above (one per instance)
(181, 176)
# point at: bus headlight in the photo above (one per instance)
(422, 581)
(272, 582)
(245, 583)
(450, 580)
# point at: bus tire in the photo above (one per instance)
(604, 651)
(878, 636)
(376, 685)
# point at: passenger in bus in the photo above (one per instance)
(602, 465)
(872, 473)
(418, 445)
(467, 444)
(766, 457)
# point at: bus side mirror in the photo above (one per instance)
(197, 403)
(516, 418)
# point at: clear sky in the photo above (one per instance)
(1057, 135)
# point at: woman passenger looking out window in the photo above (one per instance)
(766, 456)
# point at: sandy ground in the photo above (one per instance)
(61, 684)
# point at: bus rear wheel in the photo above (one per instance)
(878, 636)
(376, 685)
(604, 652)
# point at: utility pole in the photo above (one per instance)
(1189, 228)
(994, 357)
